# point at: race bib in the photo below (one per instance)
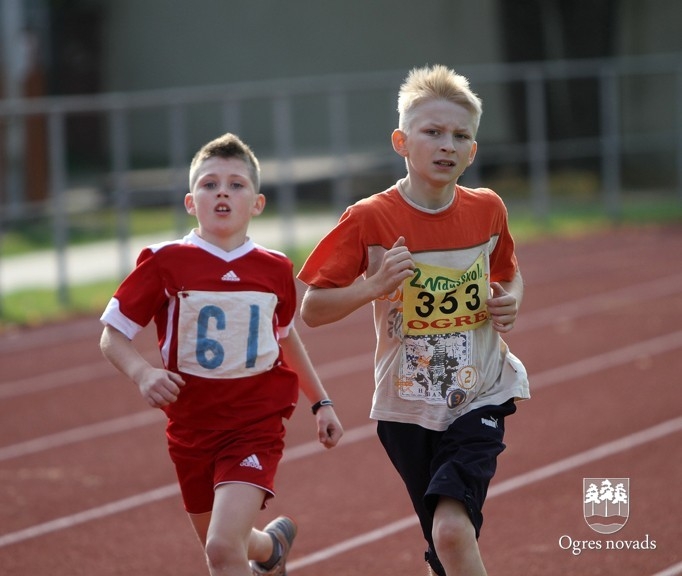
(226, 334)
(439, 300)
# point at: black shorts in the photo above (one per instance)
(457, 463)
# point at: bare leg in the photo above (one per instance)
(227, 533)
(454, 537)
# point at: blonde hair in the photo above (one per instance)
(432, 83)
(226, 146)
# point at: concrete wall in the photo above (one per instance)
(157, 43)
(148, 45)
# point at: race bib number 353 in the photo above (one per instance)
(439, 300)
(226, 334)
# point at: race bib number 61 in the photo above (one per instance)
(226, 334)
(439, 300)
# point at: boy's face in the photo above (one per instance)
(223, 199)
(438, 144)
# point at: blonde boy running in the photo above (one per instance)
(233, 362)
(438, 265)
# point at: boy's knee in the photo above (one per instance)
(452, 526)
(221, 554)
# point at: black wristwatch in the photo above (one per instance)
(326, 402)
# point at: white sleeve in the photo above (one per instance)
(113, 317)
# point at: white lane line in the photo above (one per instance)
(598, 453)
(670, 571)
(527, 321)
(606, 360)
(603, 451)
(586, 306)
(81, 434)
(570, 371)
(170, 490)
(55, 379)
(102, 368)
(110, 509)
(520, 481)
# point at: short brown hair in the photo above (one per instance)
(226, 146)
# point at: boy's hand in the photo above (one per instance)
(502, 307)
(160, 387)
(329, 430)
(397, 266)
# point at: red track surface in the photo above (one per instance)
(86, 486)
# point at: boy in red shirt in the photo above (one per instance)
(438, 265)
(233, 362)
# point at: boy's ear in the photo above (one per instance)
(399, 141)
(258, 205)
(189, 204)
(472, 153)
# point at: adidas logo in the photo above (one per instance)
(492, 422)
(252, 462)
(230, 277)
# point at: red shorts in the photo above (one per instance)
(206, 458)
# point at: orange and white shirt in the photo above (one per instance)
(437, 354)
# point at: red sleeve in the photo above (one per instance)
(141, 295)
(339, 258)
(503, 264)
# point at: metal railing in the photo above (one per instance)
(536, 152)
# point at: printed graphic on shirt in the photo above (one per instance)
(226, 334)
(437, 368)
(440, 308)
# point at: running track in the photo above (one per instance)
(86, 486)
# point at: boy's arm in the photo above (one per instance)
(326, 305)
(504, 305)
(329, 428)
(158, 387)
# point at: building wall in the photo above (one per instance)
(152, 44)
(209, 42)
(219, 41)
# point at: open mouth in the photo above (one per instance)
(445, 163)
(222, 209)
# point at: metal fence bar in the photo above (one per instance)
(231, 110)
(536, 117)
(120, 166)
(57, 145)
(339, 136)
(678, 103)
(177, 123)
(610, 129)
(609, 145)
(284, 144)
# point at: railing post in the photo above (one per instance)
(610, 141)
(536, 118)
(284, 145)
(57, 143)
(678, 155)
(338, 126)
(120, 152)
(178, 158)
(231, 117)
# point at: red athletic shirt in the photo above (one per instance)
(219, 316)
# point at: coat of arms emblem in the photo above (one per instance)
(606, 503)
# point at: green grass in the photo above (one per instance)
(34, 307)
(38, 306)
(37, 233)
